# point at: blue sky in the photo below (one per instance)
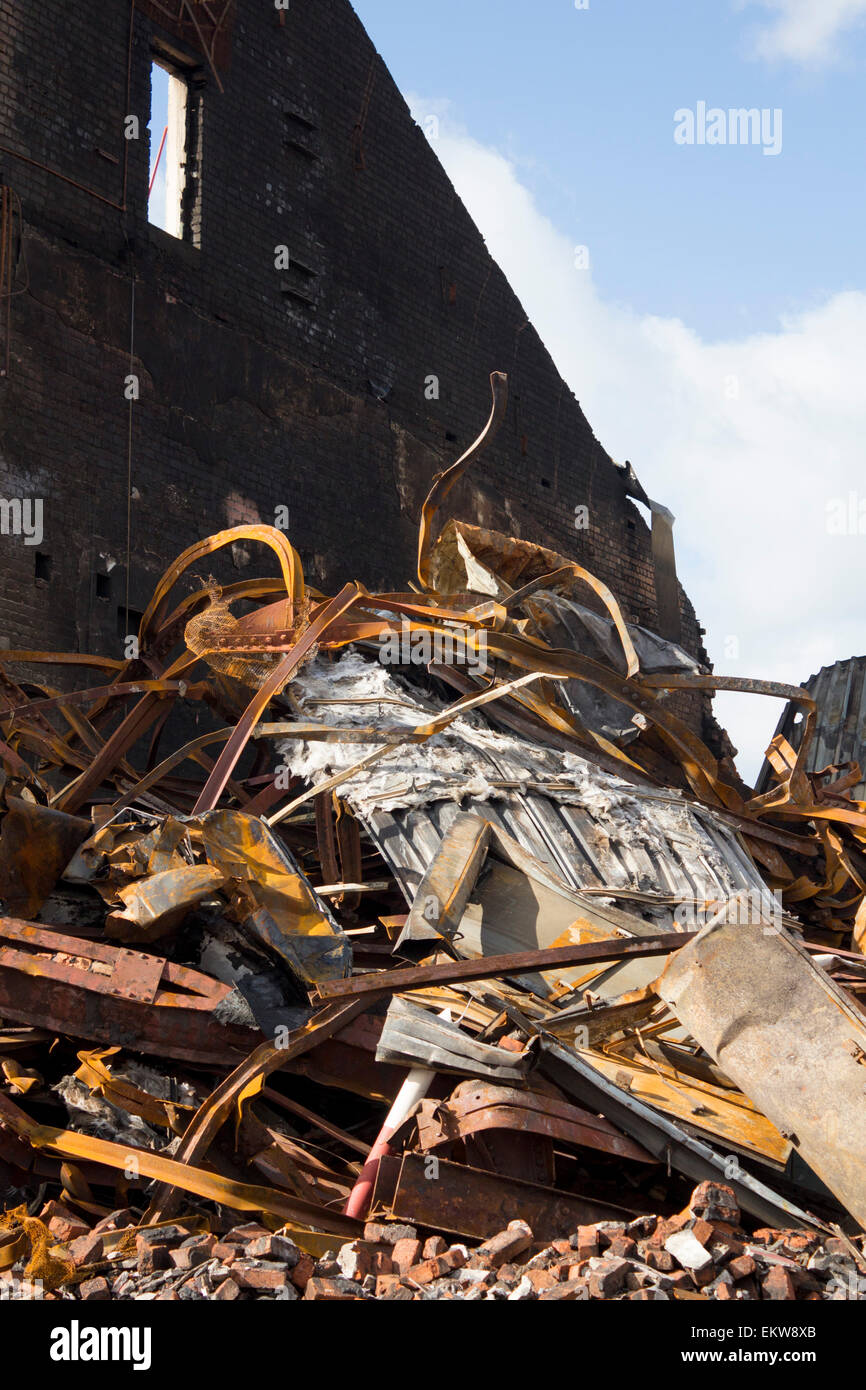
(583, 103)
(717, 335)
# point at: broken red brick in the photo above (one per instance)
(766, 1235)
(330, 1290)
(399, 1293)
(585, 1242)
(405, 1253)
(384, 1282)
(388, 1232)
(193, 1253)
(503, 1247)
(428, 1270)
(94, 1290)
(258, 1275)
(714, 1201)
(608, 1231)
(85, 1250)
(702, 1231)
(225, 1253)
(623, 1247)
(66, 1227)
(153, 1258)
(261, 1247)
(608, 1277)
(575, 1289)
(302, 1272)
(662, 1260)
(741, 1267)
(165, 1236)
(778, 1285)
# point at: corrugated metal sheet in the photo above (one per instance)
(705, 860)
(840, 731)
(592, 828)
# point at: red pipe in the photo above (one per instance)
(156, 165)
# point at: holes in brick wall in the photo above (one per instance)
(545, 482)
(447, 285)
(128, 621)
(42, 566)
(300, 283)
(300, 134)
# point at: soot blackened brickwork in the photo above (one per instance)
(259, 387)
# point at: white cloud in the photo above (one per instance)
(806, 31)
(747, 441)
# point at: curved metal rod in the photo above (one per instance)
(600, 589)
(443, 482)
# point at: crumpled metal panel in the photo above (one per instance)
(272, 898)
(471, 558)
(153, 906)
(145, 873)
(839, 691)
(787, 1035)
(36, 844)
(413, 1036)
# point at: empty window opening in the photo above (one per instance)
(103, 586)
(42, 566)
(169, 148)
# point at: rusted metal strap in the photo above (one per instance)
(516, 963)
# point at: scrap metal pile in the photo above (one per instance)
(409, 944)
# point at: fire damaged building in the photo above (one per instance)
(363, 820)
(238, 286)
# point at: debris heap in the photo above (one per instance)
(410, 945)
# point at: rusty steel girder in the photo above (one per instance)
(108, 994)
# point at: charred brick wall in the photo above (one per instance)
(260, 387)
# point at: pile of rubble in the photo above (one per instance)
(438, 957)
(702, 1252)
